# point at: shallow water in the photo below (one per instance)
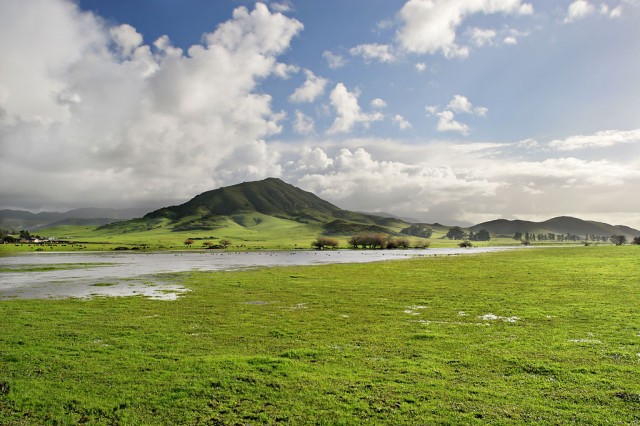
(130, 274)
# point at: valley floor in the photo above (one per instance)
(524, 336)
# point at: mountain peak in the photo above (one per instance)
(270, 196)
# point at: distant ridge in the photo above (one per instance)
(556, 225)
(20, 219)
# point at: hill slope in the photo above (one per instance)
(557, 225)
(246, 204)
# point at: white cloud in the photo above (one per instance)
(510, 40)
(482, 36)
(310, 89)
(431, 110)
(429, 26)
(127, 38)
(284, 71)
(446, 119)
(313, 160)
(378, 103)
(334, 61)
(447, 123)
(284, 6)
(578, 10)
(303, 124)
(459, 104)
(616, 12)
(355, 179)
(600, 139)
(401, 122)
(421, 67)
(104, 117)
(378, 52)
(348, 111)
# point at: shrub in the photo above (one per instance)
(371, 241)
(636, 240)
(465, 244)
(323, 242)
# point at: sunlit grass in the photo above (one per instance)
(548, 336)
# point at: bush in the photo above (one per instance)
(371, 241)
(636, 240)
(465, 244)
(323, 242)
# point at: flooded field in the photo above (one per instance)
(61, 275)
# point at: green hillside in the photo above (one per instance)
(557, 225)
(256, 205)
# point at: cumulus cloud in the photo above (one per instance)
(481, 36)
(430, 26)
(458, 105)
(303, 124)
(464, 182)
(378, 103)
(421, 67)
(310, 89)
(284, 6)
(401, 122)
(377, 52)
(600, 139)
(334, 61)
(578, 10)
(355, 179)
(447, 123)
(97, 114)
(348, 111)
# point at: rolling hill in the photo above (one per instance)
(20, 219)
(557, 225)
(248, 204)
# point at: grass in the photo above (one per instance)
(250, 231)
(405, 342)
(51, 267)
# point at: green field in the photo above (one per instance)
(253, 231)
(548, 336)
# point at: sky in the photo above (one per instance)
(445, 111)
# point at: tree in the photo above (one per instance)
(517, 236)
(455, 233)
(25, 235)
(482, 235)
(322, 242)
(418, 231)
(636, 240)
(225, 243)
(618, 239)
(188, 242)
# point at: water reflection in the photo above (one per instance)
(145, 274)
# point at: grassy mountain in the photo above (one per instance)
(557, 225)
(249, 204)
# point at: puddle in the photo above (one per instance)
(74, 274)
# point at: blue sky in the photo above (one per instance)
(450, 111)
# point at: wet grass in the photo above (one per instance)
(51, 267)
(549, 336)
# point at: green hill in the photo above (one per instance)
(253, 205)
(557, 225)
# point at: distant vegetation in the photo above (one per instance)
(271, 214)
